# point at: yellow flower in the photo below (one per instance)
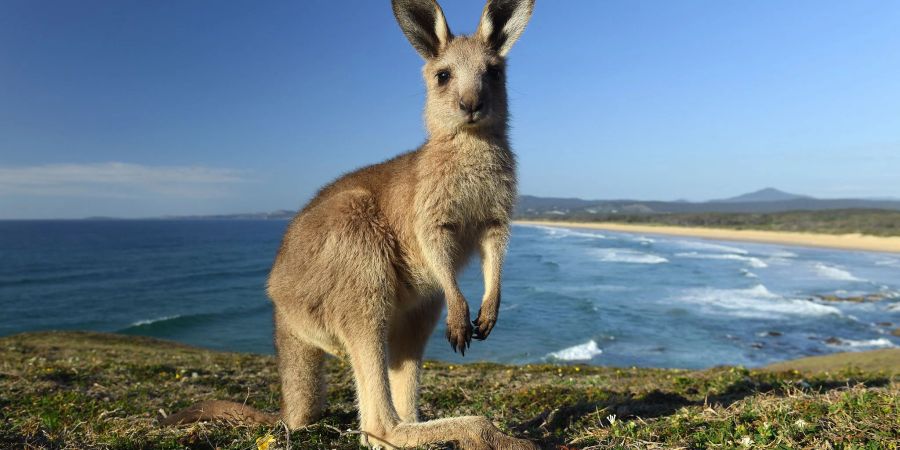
(264, 442)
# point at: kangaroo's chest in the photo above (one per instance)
(462, 196)
(475, 192)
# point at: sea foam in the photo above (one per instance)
(581, 352)
(752, 261)
(557, 232)
(643, 240)
(834, 273)
(863, 344)
(755, 303)
(141, 323)
(890, 262)
(710, 247)
(624, 255)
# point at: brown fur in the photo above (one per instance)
(364, 266)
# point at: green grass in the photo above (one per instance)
(89, 390)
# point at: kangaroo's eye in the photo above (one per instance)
(495, 73)
(443, 77)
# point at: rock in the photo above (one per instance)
(865, 298)
(896, 332)
(884, 324)
(833, 341)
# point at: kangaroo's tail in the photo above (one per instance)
(218, 410)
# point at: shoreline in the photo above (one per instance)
(857, 242)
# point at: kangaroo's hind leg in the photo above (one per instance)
(301, 370)
(366, 345)
(381, 425)
(408, 336)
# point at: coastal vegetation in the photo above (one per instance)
(92, 390)
(872, 222)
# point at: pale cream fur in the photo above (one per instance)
(365, 267)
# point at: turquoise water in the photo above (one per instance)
(569, 295)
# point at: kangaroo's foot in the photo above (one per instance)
(471, 433)
(490, 438)
(370, 441)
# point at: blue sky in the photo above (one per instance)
(149, 108)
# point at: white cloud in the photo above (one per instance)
(117, 180)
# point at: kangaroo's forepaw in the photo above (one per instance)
(459, 333)
(484, 323)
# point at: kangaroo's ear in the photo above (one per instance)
(502, 22)
(423, 23)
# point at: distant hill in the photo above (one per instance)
(769, 200)
(281, 214)
(763, 195)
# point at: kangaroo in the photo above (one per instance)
(364, 268)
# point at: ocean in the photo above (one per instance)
(570, 296)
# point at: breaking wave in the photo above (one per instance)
(888, 262)
(834, 273)
(581, 352)
(557, 232)
(624, 255)
(782, 254)
(862, 344)
(141, 323)
(756, 303)
(161, 326)
(708, 246)
(752, 261)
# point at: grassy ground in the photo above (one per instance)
(88, 390)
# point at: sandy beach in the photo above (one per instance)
(843, 242)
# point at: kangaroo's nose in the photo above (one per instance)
(471, 106)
